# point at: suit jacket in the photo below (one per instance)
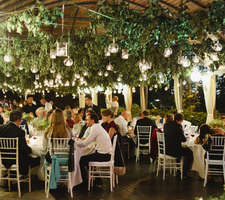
(30, 108)
(10, 130)
(174, 136)
(145, 122)
(95, 108)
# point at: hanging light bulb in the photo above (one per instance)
(113, 47)
(125, 54)
(144, 65)
(150, 89)
(109, 67)
(77, 76)
(7, 58)
(67, 83)
(37, 77)
(185, 62)
(184, 82)
(100, 73)
(34, 69)
(155, 86)
(46, 82)
(68, 62)
(53, 54)
(195, 59)
(58, 76)
(133, 90)
(20, 67)
(167, 52)
(119, 79)
(52, 70)
(85, 73)
(214, 56)
(217, 46)
(8, 74)
(107, 53)
(207, 61)
(106, 74)
(166, 88)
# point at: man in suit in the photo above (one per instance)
(30, 107)
(174, 136)
(12, 130)
(145, 121)
(88, 105)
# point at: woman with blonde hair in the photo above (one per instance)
(57, 129)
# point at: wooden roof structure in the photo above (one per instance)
(76, 11)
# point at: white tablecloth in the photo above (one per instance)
(198, 154)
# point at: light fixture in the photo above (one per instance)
(184, 61)
(106, 74)
(133, 90)
(144, 65)
(150, 89)
(195, 76)
(100, 73)
(67, 83)
(125, 54)
(113, 47)
(119, 79)
(68, 62)
(109, 67)
(52, 53)
(20, 67)
(8, 74)
(195, 59)
(7, 58)
(62, 49)
(37, 77)
(214, 57)
(167, 52)
(34, 69)
(107, 53)
(217, 46)
(52, 70)
(207, 61)
(58, 76)
(85, 73)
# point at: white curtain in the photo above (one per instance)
(127, 92)
(142, 98)
(108, 97)
(82, 100)
(209, 88)
(178, 94)
(94, 95)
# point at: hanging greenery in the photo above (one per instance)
(145, 35)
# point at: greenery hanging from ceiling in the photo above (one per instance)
(146, 35)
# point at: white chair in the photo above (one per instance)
(215, 158)
(59, 146)
(9, 151)
(144, 141)
(103, 169)
(166, 161)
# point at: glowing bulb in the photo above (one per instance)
(113, 47)
(68, 62)
(125, 54)
(21, 67)
(217, 46)
(34, 69)
(52, 70)
(106, 74)
(7, 58)
(195, 59)
(109, 67)
(167, 52)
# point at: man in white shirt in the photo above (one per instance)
(103, 145)
(46, 104)
(122, 122)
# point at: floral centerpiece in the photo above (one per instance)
(28, 117)
(42, 124)
(217, 123)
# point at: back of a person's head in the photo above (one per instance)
(115, 98)
(205, 129)
(146, 113)
(1, 120)
(15, 115)
(169, 118)
(94, 117)
(107, 112)
(179, 117)
(88, 96)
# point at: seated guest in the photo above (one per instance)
(103, 145)
(145, 121)
(30, 107)
(122, 122)
(174, 136)
(69, 120)
(205, 136)
(12, 130)
(45, 104)
(57, 129)
(78, 124)
(41, 116)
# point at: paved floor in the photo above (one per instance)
(140, 183)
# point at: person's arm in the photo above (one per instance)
(181, 134)
(91, 137)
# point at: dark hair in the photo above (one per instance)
(146, 113)
(169, 117)
(205, 129)
(94, 117)
(88, 96)
(80, 110)
(15, 115)
(107, 112)
(179, 117)
(29, 95)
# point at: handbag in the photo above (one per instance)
(48, 157)
(120, 171)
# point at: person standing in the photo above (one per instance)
(88, 105)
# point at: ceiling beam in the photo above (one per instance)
(198, 4)
(136, 4)
(74, 21)
(78, 18)
(168, 4)
(59, 3)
